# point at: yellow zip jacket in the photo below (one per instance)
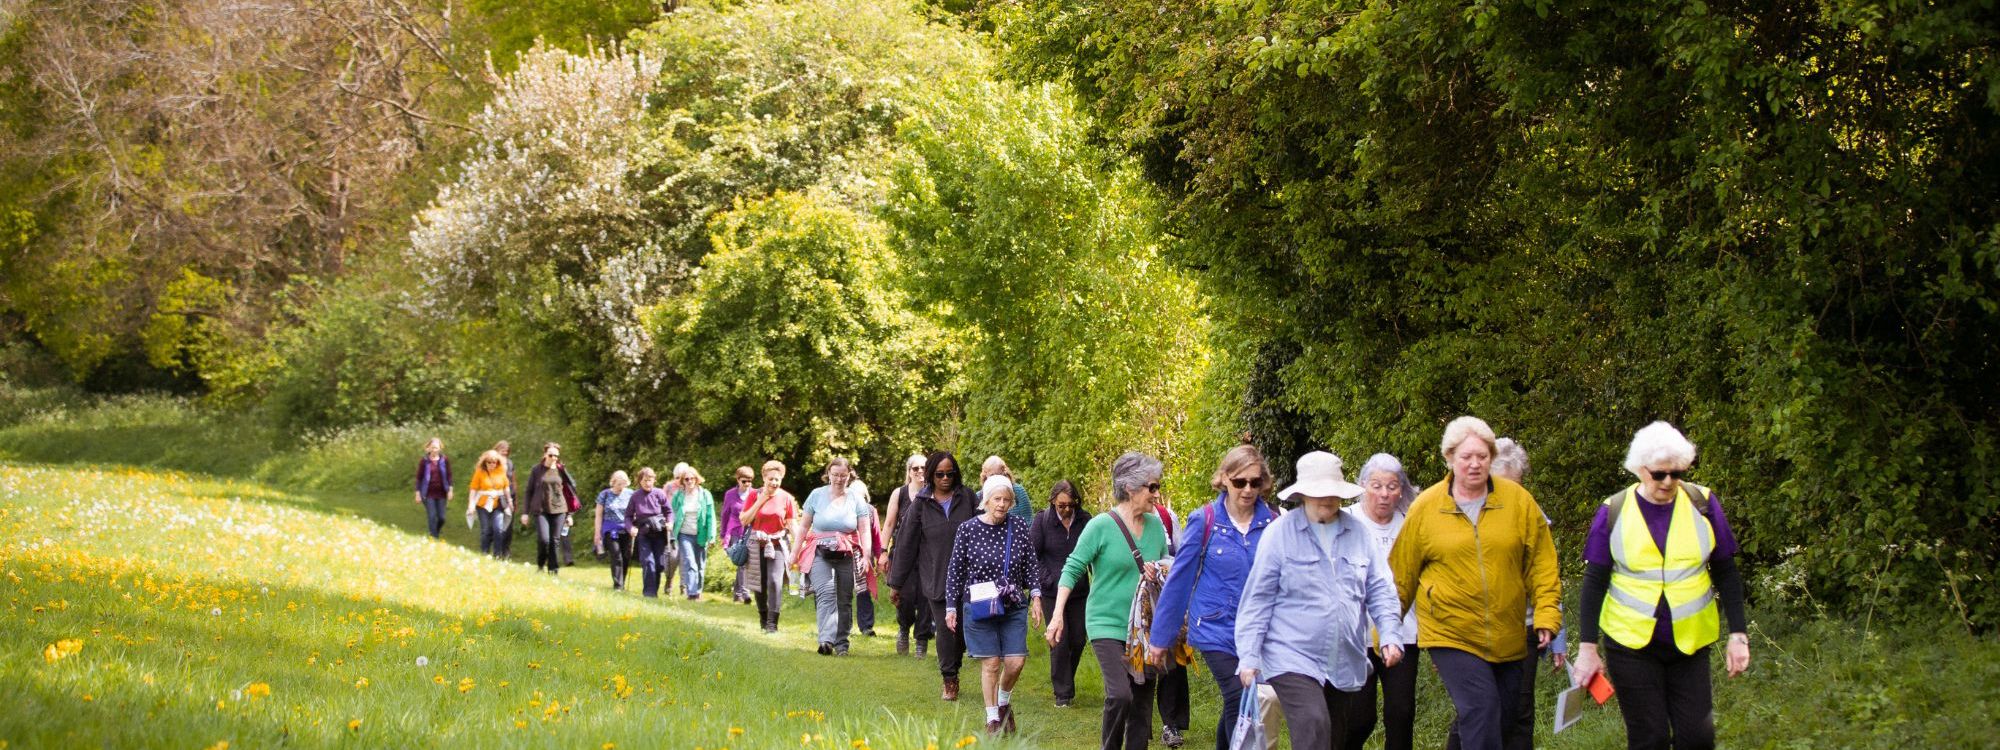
(1470, 584)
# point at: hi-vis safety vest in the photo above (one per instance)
(1642, 573)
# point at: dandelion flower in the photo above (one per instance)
(62, 649)
(966, 741)
(354, 725)
(423, 661)
(735, 731)
(465, 685)
(360, 683)
(259, 690)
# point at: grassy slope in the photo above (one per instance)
(309, 576)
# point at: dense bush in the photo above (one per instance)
(1773, 224)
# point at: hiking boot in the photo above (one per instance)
(950, 689)
(921, 646)
(1171, 737)
(825, 648)
(993, 728)
(1007, 718)
(903, 644)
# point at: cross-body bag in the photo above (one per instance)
(987, 600)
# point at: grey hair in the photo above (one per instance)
(1132, 471)
(1658, 444)
(1388, 463)
(1510, 460)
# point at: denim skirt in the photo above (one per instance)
(1006, 635)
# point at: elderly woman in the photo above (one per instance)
(732, 528)
(1659, 557)
(487, 503)
(768, 512)
(994, 466)
(1385, 499)
(913, 614)
(1474, 554)
(923, 557)
(836, 541)
(434, 485)
(1318, 583)
(651, 516)
(613, 534)
(551, 498)
(1117, 549)
(694, 526)
(1217, 547)
(992, 589)
(1055, 533)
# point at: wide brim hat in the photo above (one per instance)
(1319, 475)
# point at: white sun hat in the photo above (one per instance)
(1319, 475)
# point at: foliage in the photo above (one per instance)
(1042, 254)
(1771, 224)
(355, 357)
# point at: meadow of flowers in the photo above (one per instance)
(151, 608)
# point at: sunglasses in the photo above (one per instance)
(946, 475)
(1661, 476)
(1153, 488)
(742, 480)
(1255, 483)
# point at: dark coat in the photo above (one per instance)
(923, 543)
(1053, 544)
(538, 499)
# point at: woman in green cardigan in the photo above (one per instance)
(1115, 563)
(694, 525)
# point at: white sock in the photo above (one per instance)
(1006, 697)
(992, 713)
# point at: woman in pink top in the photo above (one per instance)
(768, 513)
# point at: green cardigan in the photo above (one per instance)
(1101, 552)
(704, 529)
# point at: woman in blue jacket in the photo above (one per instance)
(1218, 545)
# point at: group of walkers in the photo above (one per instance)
(1287, 597)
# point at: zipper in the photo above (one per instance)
(1485, 587)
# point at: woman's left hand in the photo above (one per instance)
(1737, 656)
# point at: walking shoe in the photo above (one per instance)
(694, 597)
(1006, 718)
(903, 644)
(825, 648)
(1171, 737)
(993, 728)
(950, 689)
(921, 645)
(839, 650)
(1062, 703)
(869, 632)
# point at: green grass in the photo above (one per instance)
(231, 562)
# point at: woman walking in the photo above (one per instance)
(694, 526)
(836, 542)
(1659, 557)
(992, 589)
(612, 536)
(1385, 500)
(1318, 584)
(1055, 534)
(732, 525)
(923, 552)
(487, 503)
(551, 498)
(650, 514)
(1118, 549)
(1217, 548)
(1473, 555)
(768, 512)
(434, 485)
(913, 613)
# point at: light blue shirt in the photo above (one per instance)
(1303, 607)
(829, 518)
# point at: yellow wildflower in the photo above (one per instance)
(354, 725)
(258, 690)
(465, 685)
(735, 731)
(62, 649)
(967, 741)
(361, 682)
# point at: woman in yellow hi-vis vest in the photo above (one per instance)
(1658, 561)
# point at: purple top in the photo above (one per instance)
(645, 503)
(1597, 546)
(732, 511)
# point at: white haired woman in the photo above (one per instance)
(1474, 553)
(836, 544)
(1117, 549)
(1659, 558)
(1381, 512)
(613, 533)
(992, 589)
(694, 526)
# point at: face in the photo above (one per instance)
(773, 476)
(504, 449)
(685, 480)
(838, 476)
(1471, 460)
(945, 479)
(1147, 493)
(1383, 490)
(434, 447)
(551, 456)
(743, 481)
(1318, 504)
(914, 474)
(997, 503)
(646, 480)
(1064, 504)
(1245, 486)
(1662, 488)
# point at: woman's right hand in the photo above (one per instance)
(1585, 666)
(419, 498)
(1249, 678)
(1053, 634)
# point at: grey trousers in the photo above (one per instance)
(833, 598)
(1320, 715)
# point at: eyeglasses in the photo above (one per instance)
(1153, 488)
(1255, 483)
(742, 480)
(946, 475)
(1661, 476)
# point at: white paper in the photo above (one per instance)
(980, 592)
(1569, 706)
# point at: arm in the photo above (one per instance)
(1253, 613)
(891, 514)
(1171, 610)
(955, 573)
(1544, 581)
(597, 535)
(1406, 559)
(1384, 608)
(750, 509)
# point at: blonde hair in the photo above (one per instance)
(775, 464)
(618, 475)
(1235, 461)
(493, 456)
(1462, 428)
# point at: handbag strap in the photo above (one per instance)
(1137, 558)
(1007, 554)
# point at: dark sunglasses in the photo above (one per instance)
(1255, 483)
(742, 480)
(946, 475)
(1661, 476)
(1153, 488)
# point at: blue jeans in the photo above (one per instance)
(1222, 667)
(693, 556)
(492, 527)
(434, 515)
(653, 560)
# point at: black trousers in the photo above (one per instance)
(618, 549)
(1128, 706)
(1068, 652)
(914, 616)
(1399, 698)
(1173, 696)
(1520, 733)
(548, 535)
(1222, 667)
(1485, 694)
(1319, 715)
(950, 645)
(1667, 697)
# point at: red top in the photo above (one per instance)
(773, 517)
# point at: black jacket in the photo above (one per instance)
(923, 543)
(1053, 543)
(538, 499)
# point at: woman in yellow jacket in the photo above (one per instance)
(1473, 554)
